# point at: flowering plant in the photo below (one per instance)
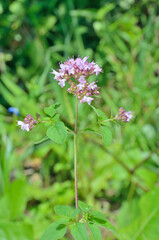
(76, 72)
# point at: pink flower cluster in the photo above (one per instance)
(28, 124)
(123, 115)
(76, 72)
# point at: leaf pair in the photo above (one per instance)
(91, 220)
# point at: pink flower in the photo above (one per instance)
(62, 82)
(80, 86)
(86, 99)
(76, 72)
(82, 79)
(92, 86)
(123, 115)
(28, 124)
(97, 69)
(24, 126)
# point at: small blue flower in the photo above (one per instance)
(13, 110)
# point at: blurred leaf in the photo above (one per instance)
(16, 198)
(16, 230)
(63, 210)
(50, 111)
(144, 222)
(106, 135)
(101, 115)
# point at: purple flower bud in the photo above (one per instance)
(123, 115)
(28, 124)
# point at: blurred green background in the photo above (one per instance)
(122, 180)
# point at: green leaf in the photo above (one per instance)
(79, 232)
(109, 226)
(50, 110)
(56, 118)
(16, 197)
(98, 218)
(75, 212)
(55, 231)
(106, 135)
(84, 206)
(63, 210)
(57, 133)
(42, 140)
(91, 131)
(101, 115)
(15, 230)
(144, 221)
(95, 231)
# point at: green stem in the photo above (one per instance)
(112, 119)
(75, 155)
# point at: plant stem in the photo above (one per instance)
(75, 155)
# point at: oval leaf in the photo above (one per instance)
(50, 111)
(55, 231)
(84, 207)
(98, 218)
(57, 133)
(63, 210)
(106, 135)
(79, 232)
(95, 231)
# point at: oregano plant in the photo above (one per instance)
(82, 221)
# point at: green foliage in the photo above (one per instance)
(106, 135)
(84, 207)
(19, 231)
(79, 231)
(92, 219)
(95, 231)
(57, 132)
(142, 223)
(121, 36)
(51, 110)
(63, 210)
(55, 231)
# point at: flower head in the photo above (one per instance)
(28, 124)
(76, 72)
(123, 115)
